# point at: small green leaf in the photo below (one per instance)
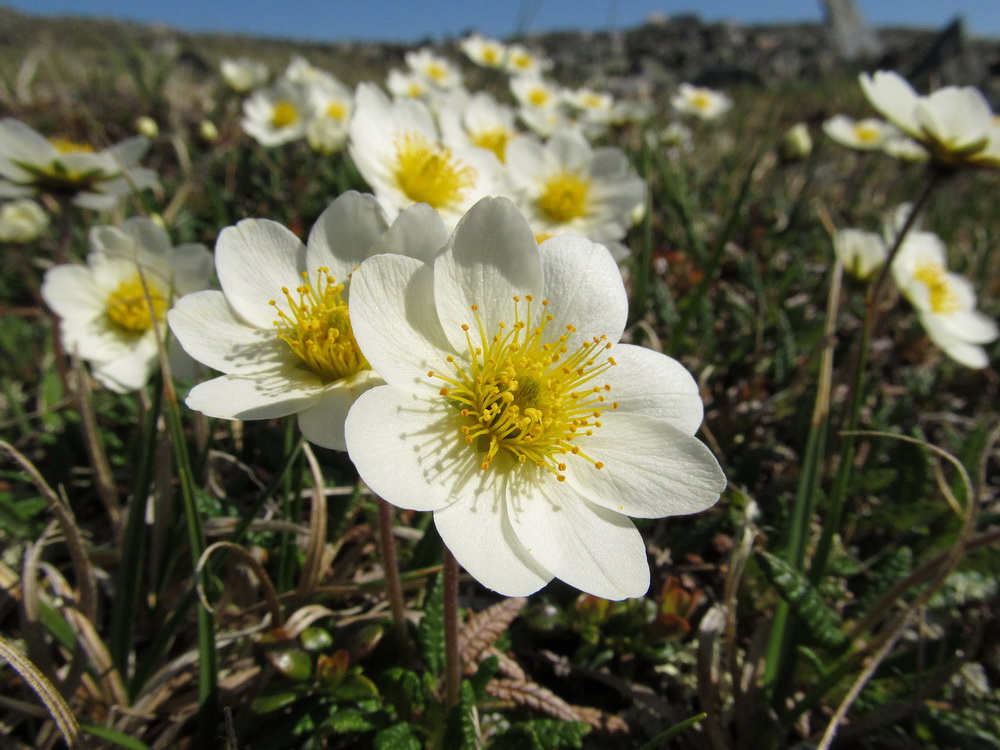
(293, 663)
(265, 704)
(805, 601)
(316, 639)
(397, 737)
(430, 634)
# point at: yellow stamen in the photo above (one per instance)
(526, 397)
(284, 114)
(336, 111)
(493, 139)
(429, 173)
(943, 297)
(129, 309)
(318, 328)
(65, 146)
(564, 197)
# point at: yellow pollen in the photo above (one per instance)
(493, 139)
(942, 295)
(65, 146)
(522, 60)
(130, 310)
(428, 172)
(525, 396)
(317, 327)
(701, 101)
(564, 197)
(866, 133)
(436, 72)
(336, 111)
(491, 55)
(284, 114)
(539, 97)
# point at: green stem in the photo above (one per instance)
(394, 586)
(453, 664)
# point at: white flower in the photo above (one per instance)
(861, 253)
(489, 53)
(331, 104)
(945, 302)
(955, 124)
(521, 61)
(22, 221)
(567, 187)
(112, 308)
(513, 414)
(707, 104)
(796, 143)
(277, 114)
(404, 84)
(536, 93)
(436, 70)
(676, 136)
(280, 329)
(31, 163)
(243, 73)
(478, 120)
(397, 149)
(869, 134)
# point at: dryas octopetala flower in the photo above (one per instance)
(22, 221)
(280, 329)
(243, 74)
(868, 134)
(955, 124)
(707, 104)
(277, 114)
(490, 53)
(945, 302)
(113, 309)
(861, 253)
(565, 186)
(511, 411)
(397, 148)
(31, 164)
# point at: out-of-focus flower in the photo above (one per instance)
(705, 103)
(31, 164)
(22, 221)
(862, 253)
(243, 74)
(406, 84)
(146, 126)
(541, 104)
(113, 309)
(277, 114)
(676, 137)
(567, 187)
(397, 149)
(325, 135)
(869, 134)
(438, 71)
(521, 61)
(796, 143)
(331, 104)
(945, 302)
(513, 414)
(478, 120)
(489, 53)
(280, 329)
(955, 124)
(594, 110)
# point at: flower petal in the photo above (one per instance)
(650, 383)
(409, 450)
(586, 546)
(481, 538)
(254, 260)
(208, 329)
(585, 285)
(493, 256)
(395, 321)
(894, 98)
(418, 231)
(264, 396)
(323, 423)
(344, 234)
(651, 469)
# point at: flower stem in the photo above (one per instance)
(387, 546)
(453, 666)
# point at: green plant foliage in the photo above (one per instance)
(822, 622)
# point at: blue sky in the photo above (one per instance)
(414, 20)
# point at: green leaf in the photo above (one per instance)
(265, 704)
(404, 691)
(116, 738)
(430, 634)
(349, 720)
(316, 639)
(460, 732)
(805, 601)
(487, 669)
(542, 734)
(397, 737)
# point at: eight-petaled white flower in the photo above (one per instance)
(945, 302)
(113, 309)
(705, 103)
(31, 163)
(512, 412)
(280, 329)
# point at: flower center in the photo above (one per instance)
(493, 139)
(943, 298)
(428, 172)
(866, 133)
(130, 309)
(564, 197)
(318, 330)
(529, 399)
(491, 55)
(336, 111)
(284, 114)
(701, 101)
(436, 72)
(539, 97)
(66, 146)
